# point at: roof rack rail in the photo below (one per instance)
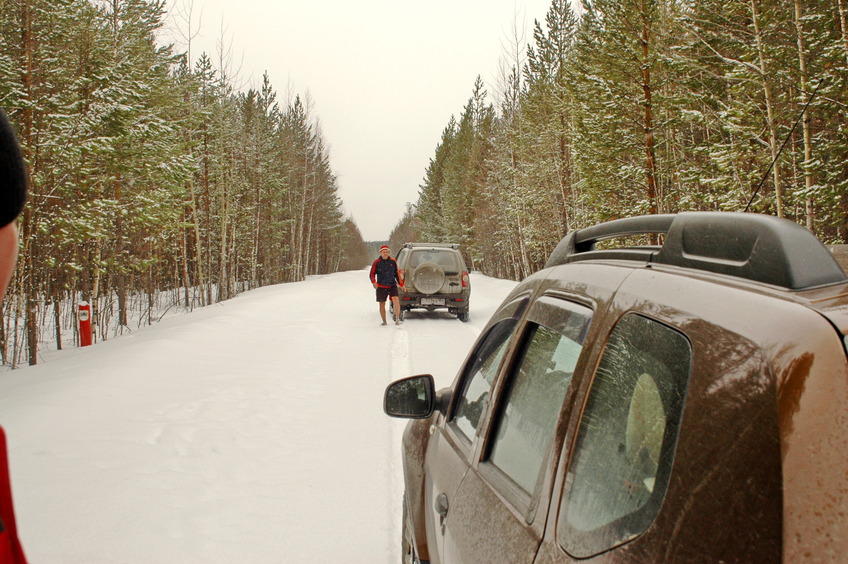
(755, 247)
(409, 245)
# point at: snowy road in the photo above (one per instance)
(249, 431)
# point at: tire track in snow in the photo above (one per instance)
(400, 367)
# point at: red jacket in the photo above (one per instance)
(11, 551)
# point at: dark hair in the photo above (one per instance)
(13, 178)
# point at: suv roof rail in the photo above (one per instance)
(433, 245)
(755, 247)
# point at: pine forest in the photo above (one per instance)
(627, 107)
(153, 182)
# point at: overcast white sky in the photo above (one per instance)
(384, 77)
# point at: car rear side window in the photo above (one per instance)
(535, 393)
(627, 437)
(401, 256)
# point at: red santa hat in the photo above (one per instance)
(384, 247)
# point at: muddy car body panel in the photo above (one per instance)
(648, 404)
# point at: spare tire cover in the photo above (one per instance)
(428, 278)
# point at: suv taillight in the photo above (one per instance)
(464, 279)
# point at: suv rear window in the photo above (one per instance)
(627, 438)
(445, 258)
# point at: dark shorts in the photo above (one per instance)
(383, 293)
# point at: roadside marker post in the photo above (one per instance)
(84, 324)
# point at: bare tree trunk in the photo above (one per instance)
(95, 291)
(19, 307)
(57, 317)
(769, 95)
(222, 260)
(522, 247)
(232, 283)
(299, 268)
(223, 189)
(151, 292)
(808, 143)
(30, 285)
(120, 277)
(650, 150)
(198, 244)
(207, 232)
(184, 271)
(257, 227)
(564, 173)
(254, 258)
(843, 24)
(30, 288)
(307, 244)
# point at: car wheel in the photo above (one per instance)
(463, 316)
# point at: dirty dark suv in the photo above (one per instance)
(676, 402)
(435, 277)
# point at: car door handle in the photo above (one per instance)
(442, 505)
(442, 509)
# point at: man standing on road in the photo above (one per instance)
(12, 198)
(385, 278)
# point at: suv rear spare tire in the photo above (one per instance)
(428, 278)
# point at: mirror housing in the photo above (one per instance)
(443, 398)
(410, 398)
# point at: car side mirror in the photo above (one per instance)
(410, 398)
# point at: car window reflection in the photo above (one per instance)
(532, 405)
(475, 397)
(627, 436)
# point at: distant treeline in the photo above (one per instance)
(641, 107)
(151, 172)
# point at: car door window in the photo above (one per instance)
(474, 397)
(533, 399)
(478, 376)
(627, 437)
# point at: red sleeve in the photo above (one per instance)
(399, 274)
(373, 269)
(11, 551)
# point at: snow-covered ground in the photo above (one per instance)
(249, 431)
